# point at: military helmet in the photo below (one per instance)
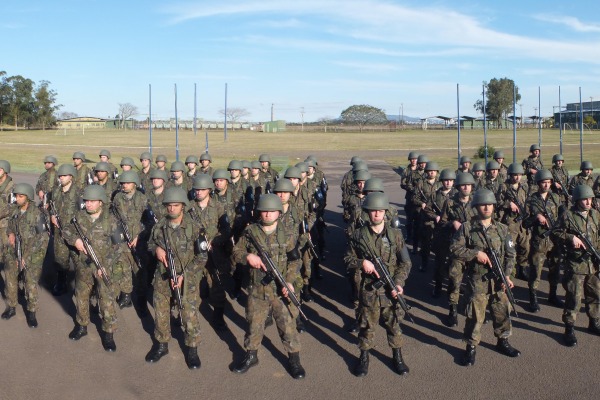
(310, 163)
(203, 181)
(145, 156)
(205, 156)
(66, 169)
(583, 192)
(534, 147)
(432, 166)
(478, 166)
(24, 188)
(354, 159)
(543, 175)
(51, 159)
(5, 165)
(246, 164)
(161, 158)
(373, 185)
(269, 202)
(586, 165)
(515, 168)
(557, 157)
(360, 166)
(283, 185)
(255, 165)
(104, 152)
(302, 166)
(412, 155)
(102, 166)
(498, 154)
(447, 175)
(483, 196)
(129, 177)
(362, 175)
(221, 174)
(175, 195)
(465, 159)
(293, 172)
(422, 159)
(492, 165)
(94, 192)
(314, 158)
(464, 178)
(158, 174)
(177, 166)
(127, 161)
(78, 154)
(192, 159)
(234, 165)
(264, 158)
(376, 201)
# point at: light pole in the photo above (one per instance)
(535, 115)
(402, 108)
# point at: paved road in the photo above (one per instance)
(44, 364)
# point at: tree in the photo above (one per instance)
(67, 115)
(589, 121)
(4, 96)
(234, 114)
(326, 121)
(44, 105)
(20, 99)
(126, 111)
(499, 93)
(362, 115)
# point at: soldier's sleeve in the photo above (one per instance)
(115, 249)
(4, 207)
(563, 231)
(156, 239)
(293, 256)
(41, 184)
(458, 245)
(596, 187)
(510, 253)
(404, 262)
(351, 258)
(240, 250)
(572, 184)
(533, 209)
(418, 197)
(11, 228)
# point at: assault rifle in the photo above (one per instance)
(436, 209)
(127, 235)
(514, 197)
(274, 274)
(563, 189)
(173, 272)
(551, 222)
(42, 207)
(19, 246)
(54, 213)
(584, 237)
(497, 272)
(91, 253)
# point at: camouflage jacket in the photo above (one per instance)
(208, 170)
(437, 206)
(5, 197)
(34, 237)
(213, 220)
(571, 223)
(529, 163)
(83, 178)
(234, 206)
(503, 172)
(406, 181)
(506, 195)
(425, 191)
(132, 209)
(67, 203)
(145, 181)
(47, 181)
(549, 208)
(456, 210)
(580, 179)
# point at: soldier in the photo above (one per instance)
(282, 246)
(406, 184)
(464, 165)
(425, 191)
(422, 161)
(6, 186)
(181, 232)
(27, 235)
(144, 173)
(585, 177)
(543, 207)
(319, 177)
(156, 210)
(48, 179)
(381, 239)
(561, 178)
(191, 162)
(503, 171)
(347, 179)
(161, 162)
(178, 179)
(267, 171)
(318, 205)
(101, 230)
(350, 187)
(581, 273)
(479, 175)
(492, 179)
(205, 160)
(470, 245)
(532, 164)
(105, 157)
(65, 204)
(102, 170)
(238, 183)
(258, 184)
(127, 164)
(246, 170)
(84, 175)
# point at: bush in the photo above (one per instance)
(481, 152)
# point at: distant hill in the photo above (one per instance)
(407, 119)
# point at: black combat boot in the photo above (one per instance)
(569, 335)
(594, 326)
(125, 300)
(469, 356)
(9, 312)
(157, 352)
(452, 316)
(269, 320)
(399, 366)
(362, 368)
(108, 342)
(300, 327)
(31, 319)
(505, 348)
(191, 358)
(305, 295)
(218, 322)
(553, 298)
(533, 301)
(60, 287)
(296, 369)
(78, 332)
(248, 362)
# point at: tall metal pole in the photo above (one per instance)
(580, 127)
(176, 128)
(560, 133)
(540, 117)
(485, 144)
(225, 130)
(195, 111)
(458, 112)
(514, 123)
(402, 111)
(150, 118)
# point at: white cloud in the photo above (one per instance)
(570, 22)
(368, 67)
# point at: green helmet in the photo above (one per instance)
(314, 158)
(376, 201)
(129, 177)
(465, 159)
(246, 164)
(145, 156)
(478, 166)
(283, 185)
(192, 159)
(447, 175)
(203, 181)
(354, 159)
(464, 178)
(362, 176)
(515, 168)
(161, 158)
(264, 158)
(293, 172)
(360, 166)
(78, 154)
(221, 174)
(534, 147)
(373, 185)
(412, 155)
(177, 166)
(127, 161)
(51, 159)
(432, 166)
(66, 169)
(302, 166)
(5, 165)
(175, 195)
(24, 188)
(104, 152)
(483, 196)
(543, 175)
(557, 157)
(498, 154)
(310, 163)
(422, 159)
(586, 165)
(234, 165)
(269, 202)
(159, 174)
(94, 192)
(205, 156)
(492, 165)
(583, 192)
(255, 165)
(102, 166)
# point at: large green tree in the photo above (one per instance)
(363, 115)
(499, 102)
(20, 107)
(45, 105)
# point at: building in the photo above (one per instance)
(81, 123)
(572, 114)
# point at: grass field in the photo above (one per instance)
(26, 149)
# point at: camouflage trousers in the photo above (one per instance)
(374, 304)
(455, 274)
(218, 277)
(130, 274)
(31, 276)
(190, 314)
(306, 268)
(260, 301)
(579, 286)
(543, 252)
(4, 245)
(86, 277)
(63, 253)
(521, 238)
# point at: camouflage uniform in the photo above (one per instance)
(84, 176)
(441, 235)
(425, 193)
(6, 188)
(503, 172)
(47, 181)
(581, 179)
(529, 163)
(507, 194)
(67, 204)
(561, 176)
(208, 170)
(145, 181)
(407, 183)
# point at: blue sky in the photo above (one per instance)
(313, 56)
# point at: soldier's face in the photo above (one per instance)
(284, 196)
(127, 187)
(174, 210)
(102, 175)
(544, 185)
(431, 174)
(205, 163)
(201, 194)
(93, 206)
(220, 184)
(478, 174)
(245, 171)
(21, 199)
(559, 163)
(176, 174)
(499, 160)
(295, 181)
(126, 168)
(2, 173)
(447, 183)
(157, 183)
(586, 172)
(536, 153)
(584, 204)
(104, 158)
(265, 165)
(311, 170)
(145, 162)
(422, 165)
(48, 165)
(515, 178)
(65, 180)
(255, 171)
(493, 173)
(360, 185)
(376, 216)
(269, 217)
(77, 162)
(485, 211)
(465, 190)
(191, 166)
(466, 165)
(303, 175)
(235, 173)
(413, 161)
(160, 164)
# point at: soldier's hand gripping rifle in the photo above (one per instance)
(44, 212)
(54, 213)
(91, 253)
(497, 272)
(173, 272)
(584, 237)
(304, 231)
(563, 189)
(436, 209)
(127, 235)
(274, 274)
(514, 197)
(551, 222)
(385, 279)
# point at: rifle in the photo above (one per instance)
(274, 274)
(127, 235)
(42, 207)
(514, 197)
(552, 223)
(436, 209)
(173, 272)
(497, 272)
(54, 213)
(563, 189)
(584, 237)
(385, 279)
(91, 253)
(311, 245)
(19, 246)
